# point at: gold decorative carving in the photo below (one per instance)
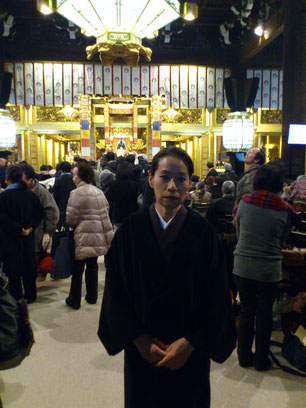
(99, 110)
(271, 116)
(187, 116)
(15, 112)
(222, 115)
(124, 47)
(142, 111)
(53, 114)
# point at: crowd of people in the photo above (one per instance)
(168, 309)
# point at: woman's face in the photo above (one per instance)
(170, 182)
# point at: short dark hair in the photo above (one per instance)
(269, 178)
(195, 178)
(130, 158)
(176, 152)
(210, 165)
(28, 171)
(110, 156)
(14, 175)
(43, 167)
(124, 170)
(260, 156)
(85, 172)
(49, 167)
(65, 167)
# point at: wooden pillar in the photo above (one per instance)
(293, 82)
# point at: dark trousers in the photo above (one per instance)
(146, 386)
(20, 266)
(257, 300)
(91, 281)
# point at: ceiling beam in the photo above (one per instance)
(273, 28)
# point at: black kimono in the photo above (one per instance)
(19, 208)
(169, 284)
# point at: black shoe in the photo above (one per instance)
(70, 304)
(263, 365)
(247, 362)
(91, 302)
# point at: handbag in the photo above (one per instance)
(16, 335)
(63, 261)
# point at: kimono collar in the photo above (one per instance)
(166, 237)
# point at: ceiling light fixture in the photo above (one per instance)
(152, 35)
(119, 26)
(190, 11)
(46, 7)
(259, 30)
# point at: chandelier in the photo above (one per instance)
(119, 25)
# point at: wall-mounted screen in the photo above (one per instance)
(297, 134)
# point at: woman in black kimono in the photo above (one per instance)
(166, 300)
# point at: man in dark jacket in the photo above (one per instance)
(222, 207)
(253, 159)
(211, 172)
(62, 187)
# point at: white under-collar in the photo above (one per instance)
(163, 223)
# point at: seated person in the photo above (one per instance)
(194, 180)
(200, 195)
(222, 207)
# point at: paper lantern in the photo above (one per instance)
(7, 129)
(238, 131)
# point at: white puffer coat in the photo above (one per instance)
(87, 211)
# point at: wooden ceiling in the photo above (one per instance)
(38, 37)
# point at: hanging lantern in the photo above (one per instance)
(238, 131)
(7, 129)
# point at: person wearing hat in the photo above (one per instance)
(106, 178)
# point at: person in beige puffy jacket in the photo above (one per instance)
(87, 212)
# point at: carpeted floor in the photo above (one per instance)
(69, 368)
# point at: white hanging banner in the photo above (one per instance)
(58, 86)
(126, 80)
(184, 85)
(67, 84)
(201, 87)
(154, 71)
(145, 80)
(108, 84)
(164, 83)
(257, 103)
(10, 68)
(227, 74)
(89, 79)
(117, 79)
(266, 83)
(48, 80)
(77, 82)
(135, 80)
(39, 84)
(219, 87)
(280, 105)
(98, 79)
(211, 87)
(175, 85)
(28, 74)
(193, 87)
(274, 89)
(19, 83)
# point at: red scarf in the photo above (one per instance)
(267, 199)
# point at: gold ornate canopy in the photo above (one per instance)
(119, 25)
